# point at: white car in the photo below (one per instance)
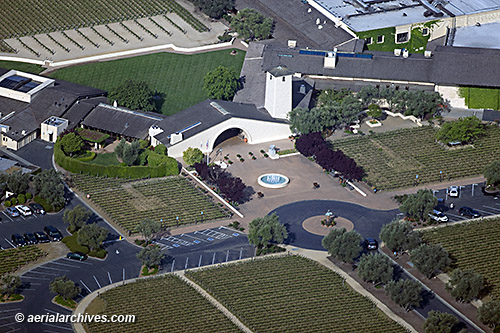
(23, 210)
(436, 215)
(453, 191)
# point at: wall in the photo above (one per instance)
(278, 98)
(56, 130)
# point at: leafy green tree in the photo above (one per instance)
(346, 246)
(406, 293)
(328, 240)
(135, 95)
(368, 95)
(430, 259)
(64, 287)
(191, 156)
(440, 322)
(76, 217)
(306, 121)
(148, 228)
(150, 256)
(465, 285)
(18, 182)
(492, 173)
(376, 268)
(92, 236)
(71, 143)
(462, 130)
(119, 148)
(419, 205)
(264, 230)
(252, 25)
(489, 313)
(214, 8)
(9, 284)
(399, 236)
(161, 149)
(131, 152)
(221, 83)
(374, 111)
(49, 186)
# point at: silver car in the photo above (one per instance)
(438, 216)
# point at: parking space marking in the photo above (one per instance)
(14, 330)
(9, 242)
(43, 273)
(2, 318)
(12, 323)
(198, 239)
(54, 269)
(177, 241)
(109, 277)
(58, 263)
(214, 234)
(83, 284)
(98, 284)
(484, 211)
(492, 208)
(80, 262)
(8, 310)
(59, 327)
(8, 216)
(458, 216)
(34, 278)
(162, 246)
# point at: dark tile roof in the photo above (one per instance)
(133, 124)
(81, 109)
(491, 115)
(77, 89)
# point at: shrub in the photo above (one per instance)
(87, 157)
(7, 203)
(46, 206)
(101, 253)
(73, 245)
(29, 196)
(21, 199)
(13, 201)
(161, 149)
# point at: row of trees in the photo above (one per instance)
(88, 234)
(313, 144)
(231, 187)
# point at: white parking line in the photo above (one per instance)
(52, 311)
(85, 286)
(10, 218)
(484, 211)
(12, 323)
(458, 216)
(97, 282)
(42, 273)
(54, 269)
(13, 330)
(9, 242)
(203, 240)
(58, 263)
(80, 262)
(34, 278)
(109, 277)
(59, 327)
(8, 310)
(2, 318)
(492, 208)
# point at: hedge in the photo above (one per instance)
(169, 167)
(46, 206)
(72, 244)
(89, 156)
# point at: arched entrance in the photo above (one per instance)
(236, 134)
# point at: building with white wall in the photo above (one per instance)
(52, 127)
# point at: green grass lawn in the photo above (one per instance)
(105, 159)
(21, 66)
(481, 98)
(416, 44)
(179, 77)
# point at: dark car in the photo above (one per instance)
(54, 234)
(18, 240)
(41, 237)
(76, 256)
(30, 238)
(37, 208)
(371, 244)
(467, 211)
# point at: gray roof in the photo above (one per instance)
(81, 109)
(132, 124)
(252, 77)
(491, 115)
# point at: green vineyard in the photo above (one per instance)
(291, 294)
(160, 199)
(394, 159)
(472, 245)
(164, 304)
(12, 259)
(31, 17)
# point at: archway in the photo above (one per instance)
(229, 134)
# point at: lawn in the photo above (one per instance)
(178, 77)
(21, 66)
(291, 294)
(472, 245)
(161, 199)
(394, 159)
(13, 259)
(163, 304)
(481, 98)
(416, 44)
(105, 159)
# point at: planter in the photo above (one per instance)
(488, 190)
(373, 123)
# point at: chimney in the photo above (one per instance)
(330, 59)
(176, 137)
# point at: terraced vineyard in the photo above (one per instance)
(161, 199)
(164, 304)
(393, 159)
(291, 294)
(31, 17)
(472, 245)
(12, 259)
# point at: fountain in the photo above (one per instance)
(273, 180)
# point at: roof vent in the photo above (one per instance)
(23, 132)
(428, 54)
(219, 108)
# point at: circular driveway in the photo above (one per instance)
(366, 221)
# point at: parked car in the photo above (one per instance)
(18, 240)
(30, 238)
(453, 191)
(41, 237)
(37, 208)
(76, 256)
(12, 212)
(438, 216)
(467, 211)
(23, 210)
(54, 234)
(371, 244)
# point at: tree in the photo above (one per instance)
(148, 228)
(419, 205)
(233, 188)
(489, 313)
(76, 217)
(399, 236)
(327, 241)
(368, 95)
(346, 246)
(18, 182)
(440, 322)
(310, 144)
(221, 83)
(430, 259)
(374, 111)
(161, 149)
(304, 121)
(130, 152)
(406, 293)
(264, 230)
(462, 130)
(214, 8)
(492, 173)
(135, 95)
(64, 287)
(49, 186)
(9, 284)
(119, 148)
(252, 25)
(465, 285)
(71, 143)
(92, 235)
(150, 256)
(192, 156)
(376, 268)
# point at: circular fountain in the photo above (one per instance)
(273, 180)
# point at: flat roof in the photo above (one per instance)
(483, 36)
